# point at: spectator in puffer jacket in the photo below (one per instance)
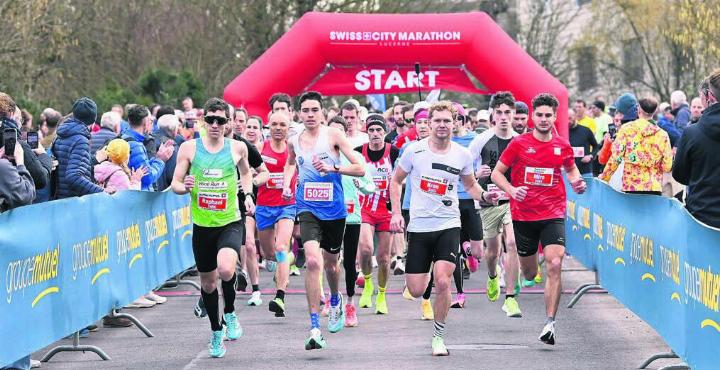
(109, 129)
(138, 117)
(115, 172)
(72, 151)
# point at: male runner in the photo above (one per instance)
(496, 220)
(375, 214)
(520, 118)
(538, 199)
(253, 135)
(275, 216)
(351, 185)
(320, 207)
(435, 166)
(471, 228)
(217, 231)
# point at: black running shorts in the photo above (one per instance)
(528, 234)
(427, 247)
(207, 242)
(329, 233)
(471, 224)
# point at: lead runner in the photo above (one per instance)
(435, 166)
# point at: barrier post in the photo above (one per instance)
(659, 356)
(75, 347)
(143, 328)
(582, 289)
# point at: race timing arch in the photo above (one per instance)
(359, 54)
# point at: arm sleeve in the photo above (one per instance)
(681, 170)
(77, 178)
(16, 185)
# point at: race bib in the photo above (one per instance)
(350, 206)
(212, 201)
(275, 181)
(318, 191)
(578, 151)
(433, 185)
(539, 176)
(492, 188)
(381, 183)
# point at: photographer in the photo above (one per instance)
(16, 186)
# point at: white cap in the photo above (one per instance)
(420, 105)
(483, 115)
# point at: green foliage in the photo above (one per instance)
(163, 86)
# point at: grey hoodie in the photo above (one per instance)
(16, 186)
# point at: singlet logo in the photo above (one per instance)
(269, 160)
(212, 173)
(530, 150)
(446, 168)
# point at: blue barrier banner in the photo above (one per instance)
(67, 263)
(657, 260)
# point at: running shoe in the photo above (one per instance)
(427, 310)
(325, 303)
(360, 280)
(277, 305)
(366, 297)
(493, 289)
(291, 258)
(216, 348)
(241, 280)
(351, 319)
(393, 263)
(399, 268)
(381, 307)
(294, 271)
(459, 301)
(511, 307)
(271, 266)
(315, 341)
(255, 299)
(374, 262)
(538, 277)
(233, 330)
(518, 287)
(336, 317)
(547, 335)
(141, 302)
(472, 262)
(501, 276)
(262, 265)
(528, 283)
(407, 295)
(200, 310)
(300, 258)
(155, 298)
(438, 347)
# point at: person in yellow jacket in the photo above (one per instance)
(644, 148)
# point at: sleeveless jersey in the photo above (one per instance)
(270, 194)
(380, 172)
(214, 200)
(319, 194)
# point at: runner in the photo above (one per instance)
(423, 131)
(276, 216)
(351, 114)
(320, 206)
(435, 166)
(471, 227)
(351, 185)
(375, 214)
(253, 135)
(206, 168)
(538, 199)
(520, 118)
(496, 220)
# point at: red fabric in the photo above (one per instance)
(525, 153)
(392, 80)
(320, 41)
(268, 194)
(409, 136)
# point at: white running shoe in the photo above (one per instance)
(255, 299)
(155, 298)
(547, 335)
(141, 302)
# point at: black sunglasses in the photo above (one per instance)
(215, 119)
(409, 120)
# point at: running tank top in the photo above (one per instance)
(380, 172)
(320, 194)
(270, 194)
(214, 197)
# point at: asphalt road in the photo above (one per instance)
(599, 333)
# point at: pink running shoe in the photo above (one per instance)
(472, 262)
(351, 319)
(459, 301)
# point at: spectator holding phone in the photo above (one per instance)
(16, 186)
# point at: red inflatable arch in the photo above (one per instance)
(356, 54)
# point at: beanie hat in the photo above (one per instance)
(375, 120)
(118, 151)
(422, 114)
(521, 107)
(85, 110)
(627, 104)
